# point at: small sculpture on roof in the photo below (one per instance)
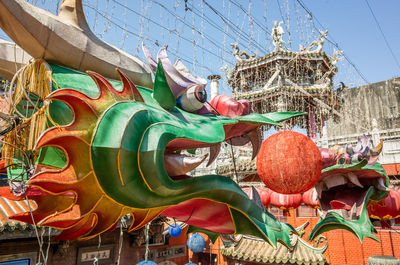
(241, 55)
(336, 56)
(319, 42)
(228, 73)
(276, 35)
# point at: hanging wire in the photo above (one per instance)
(124, 33)
(96, 258)
(383, 35)
(122, 226)
(194, 42)
(287, 10)
(39, 239)
(251, 27)
(331, 40)
(96, 18)
(202, 36)
(146, 234)
(141, 22)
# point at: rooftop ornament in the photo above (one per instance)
(276, 35)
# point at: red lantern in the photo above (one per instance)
(289, 162)
(265, 194)
(387, 209)
(310, 198)
(285, 201)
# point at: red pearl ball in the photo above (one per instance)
(289, 162)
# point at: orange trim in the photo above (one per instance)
(392, 169)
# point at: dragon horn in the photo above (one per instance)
(375, 151)
(359, 146)
(180, 67)
(162, 92)
(149, 58)
(364, 140)
(349, 149)
(365, 151)
(177, 82)
(64, 39)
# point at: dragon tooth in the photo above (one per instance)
(354, 179)
(321, 214)
(380, 185)
(344, 213)
(338, 211)
(177, 165)
(318, 188)
(353, 211)
(214, 151)
(256, 141)
(335, 180)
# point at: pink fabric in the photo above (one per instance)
(229, 107)
(204, 213)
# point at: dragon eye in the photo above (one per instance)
(193, 98)
(356, 158)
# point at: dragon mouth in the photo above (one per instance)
(345, 194)
(177, 164)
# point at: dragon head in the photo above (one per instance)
(350, 179)
(122, 154)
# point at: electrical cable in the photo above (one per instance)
(137, 35)
(332, 41)
(383, 35)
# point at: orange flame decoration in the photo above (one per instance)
(62, 195)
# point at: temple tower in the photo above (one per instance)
(285, 80)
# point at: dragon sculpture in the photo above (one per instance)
(122, 156)
(351, 179)
(121, 141)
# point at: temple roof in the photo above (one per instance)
(256, 250)
(315, 90)
(282, 55)
(9, 208)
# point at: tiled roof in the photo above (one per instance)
(282, 55)
(8, 208)
(256, 250)
(323, 92)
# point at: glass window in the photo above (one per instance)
(278, 213)
(305, 211)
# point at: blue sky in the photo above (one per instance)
(201, 38)
(352, 26)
